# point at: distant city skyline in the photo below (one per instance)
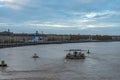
(61, 16)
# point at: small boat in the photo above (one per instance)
(75, 54)
(35, 56)
(3, 64)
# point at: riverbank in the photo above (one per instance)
(7, 45)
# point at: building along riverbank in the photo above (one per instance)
(10, 39)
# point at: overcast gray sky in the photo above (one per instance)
(61, 16)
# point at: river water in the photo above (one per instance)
(103, 62)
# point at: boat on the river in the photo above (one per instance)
(76, 54)
(35, 56)
(3, 64)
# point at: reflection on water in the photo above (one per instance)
(102, 64)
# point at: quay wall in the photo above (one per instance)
(48, 42)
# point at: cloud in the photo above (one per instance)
(59, 14)
(101, 14)
(85, 21)
(14, 4)
(40, 25)
(100, 25)
(50, 25)
(7, 1)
